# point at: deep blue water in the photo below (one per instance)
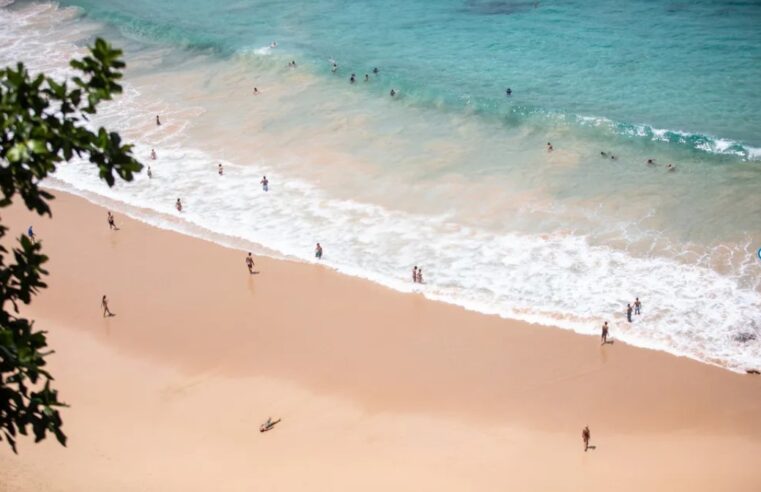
(691, 67)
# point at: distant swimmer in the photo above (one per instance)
(150, 174)
(651, 162)
(508, 92)
(318, 251)
(178, 205)
(613, 157)
(392, 93)
(220, 169)
(158, 121)
(629, 312)
(637, 307)
(671, 168)
(550, 148)
(153, 154)
(256, 91)
(375, 70)
(334, 67)
(111, 222)
(604, 333)
(273, 44)
(104, 305)
(250, 263)
(367, 78)
(292, 63)
(603, 154)
(352, 79)
(30, 233)
(586, 435)
(265, 183)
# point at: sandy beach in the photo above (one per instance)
(377, 390)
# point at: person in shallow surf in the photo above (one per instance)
(220, 169)
(550, 148)
(352, 79)
(392, 93)
(651, 162)
(158, 121)
(178, 205)
(508, 92)
(375, 70)
(671, 168)
(265, 183)
(604, 336)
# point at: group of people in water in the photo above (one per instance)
(634, 308)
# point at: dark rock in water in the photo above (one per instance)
(499, 7)
(745, 337)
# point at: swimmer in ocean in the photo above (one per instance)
(392, 93)
(603, 154)
(671, 168)
(650, 162)
(508, 91)
(375, 70)
(367, 78)
(352, 79)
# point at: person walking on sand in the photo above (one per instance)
(158, 121)
(604, 333)
(250, 263)
(586, 436)
(414, 274)
(178, 205)
(318, 251)
(220, 169)
(265, 183)
(30, 233)
(629, 312)
(637, 307)
(104, 304)
(153, 154)
(111, 222)
(420, 275)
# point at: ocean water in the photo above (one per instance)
(452, 174)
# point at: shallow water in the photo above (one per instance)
(451, 174)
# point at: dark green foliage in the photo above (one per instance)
(42, 123)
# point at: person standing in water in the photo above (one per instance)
(352, 79)
(586, 435)
(158, 121)
(318, 251)
(334, 67)
(392, 93)
(549, 147)
(250, 263)
(153, 154)
(104, 304)
(111, 222)
(367, 78)
(375, 70)
(604, 333)
(265, 183)
(220, 170)
(629, 312)
(414, 274)
(420, 275)
(150, 174)
(508, 92)
(256, 91)
(637, 307)
(178, 205)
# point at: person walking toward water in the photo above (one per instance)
(104, 304)
(220, 170)
(178, 205)
(153, 154)
(111, 222)
(586, 436)
(250, 263)
(30, 233)
(265, 183)
(158, 121)
(604, 333)
(318, 251)
(637, 307)
(629, 312)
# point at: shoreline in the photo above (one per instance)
(240, 244)
(377, 389)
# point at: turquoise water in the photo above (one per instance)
(688, 67)
(451, 174)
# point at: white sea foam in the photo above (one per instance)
(559, 279)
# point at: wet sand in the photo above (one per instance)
(378, 390)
